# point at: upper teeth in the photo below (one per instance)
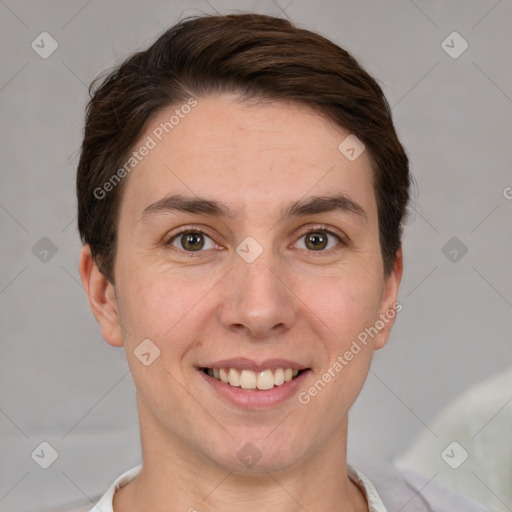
(247, 379)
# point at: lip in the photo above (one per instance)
(242, 363)
(255, 399)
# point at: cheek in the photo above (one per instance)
(346, 308)
(346, 304)
(159, 318)
(171, 308)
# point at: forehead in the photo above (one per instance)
(248, 154)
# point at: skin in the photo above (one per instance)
(292, 302)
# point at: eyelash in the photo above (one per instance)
(321, 228)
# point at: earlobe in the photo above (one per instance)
(390, 305)
(101, 297)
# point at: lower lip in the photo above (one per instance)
(256, 399)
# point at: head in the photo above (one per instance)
(241, 194)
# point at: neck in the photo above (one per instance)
(175, 477)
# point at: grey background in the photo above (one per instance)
(61, 383)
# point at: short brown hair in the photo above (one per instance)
(256, 57)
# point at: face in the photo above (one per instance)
(254, 269)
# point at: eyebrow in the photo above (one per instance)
(309, 206)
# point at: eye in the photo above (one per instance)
(191, 240)
(318, 240)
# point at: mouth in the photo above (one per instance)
(254, 381)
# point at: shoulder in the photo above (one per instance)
(103, 503)
(411, 492)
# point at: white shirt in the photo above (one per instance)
(480, 423)
(105, 504)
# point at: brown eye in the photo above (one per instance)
(316, 241)
(320, 240)
(191, 241)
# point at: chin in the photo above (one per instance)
(253, 455)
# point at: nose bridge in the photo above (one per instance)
(259, 277)
(257, 297)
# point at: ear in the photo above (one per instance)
(102, 298)
(390, 307)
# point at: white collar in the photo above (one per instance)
(105, 504)
(372, 496)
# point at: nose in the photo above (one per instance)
(258, 301)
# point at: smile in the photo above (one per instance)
(248, 379)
